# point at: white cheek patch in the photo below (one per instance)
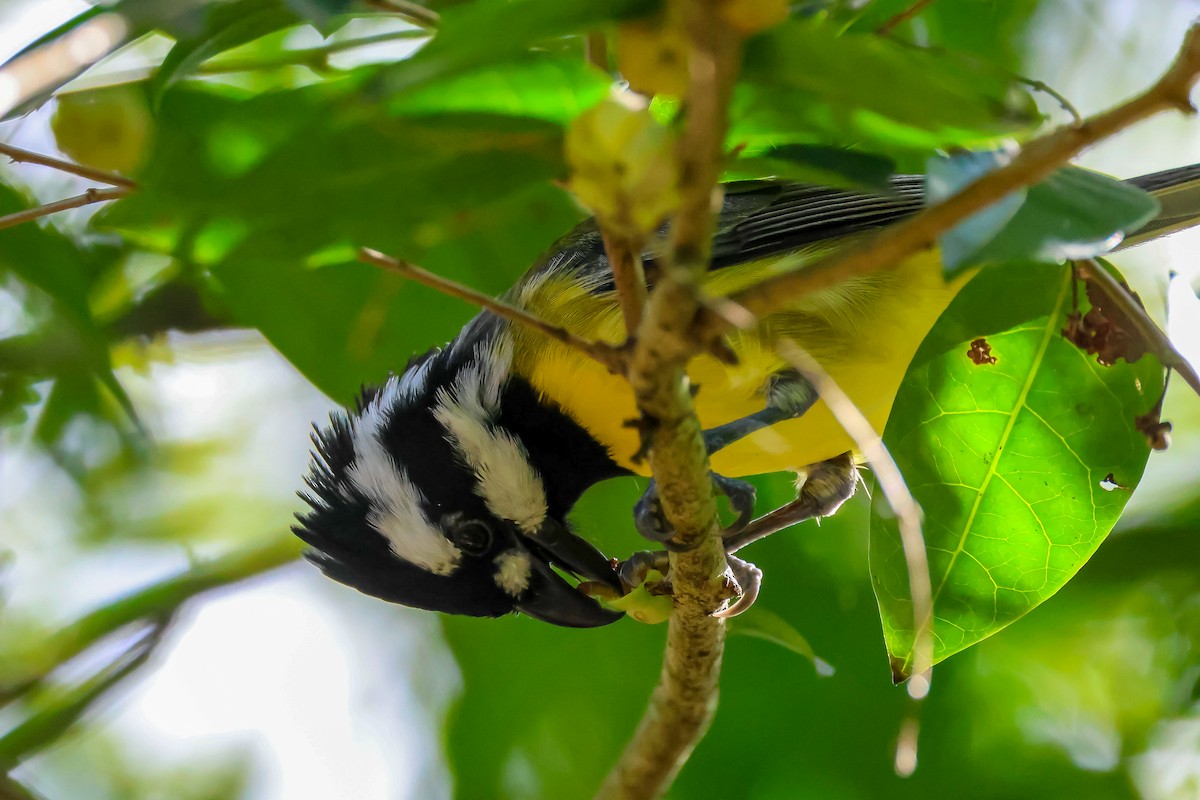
(396, 504)
(507, 482)
(513, 570)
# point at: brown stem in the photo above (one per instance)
(904, 16)
(87, 198)
(625, 260)
(685, 698)
(91, 173)
(1036, 161)
(607, 355)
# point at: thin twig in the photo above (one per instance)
(87, 198)
(685, 698)
(1158, 342)
(1036, 161)
(20, 156)
(629, 277)
(904, 16)
(1042, 86)
(607, 355)
(411, 12)
(891, 482)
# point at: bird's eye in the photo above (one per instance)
(473, 536)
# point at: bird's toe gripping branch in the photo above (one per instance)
(652, 523)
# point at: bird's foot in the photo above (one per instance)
(652, 523)
(749, 581)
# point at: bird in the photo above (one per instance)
(447, 486)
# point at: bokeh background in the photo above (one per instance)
(285, 685)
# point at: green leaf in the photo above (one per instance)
(222, 27)
(358, 324)
(1013, 462)
(484, 32)
(808, 163)
(288, 174)
(555, 88)
(803, 76)
(1073, 214)
(760, 623)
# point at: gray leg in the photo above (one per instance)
(828, 485)
(788, 396)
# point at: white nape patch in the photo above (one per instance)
(513, 569)
(508, 483)
(395, 502)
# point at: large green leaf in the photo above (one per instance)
(1022, 466)
(556, 88)
(286, 174)
(804, 77)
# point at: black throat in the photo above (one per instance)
(568, 458)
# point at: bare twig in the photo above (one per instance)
(685, 698)
(415, 13)
(607, 355)
(1158, 342)
(1036, 161)
(904, 16)
(58, 61)
(87, 198)
(20, 156)
(891, 482)
(625, 261)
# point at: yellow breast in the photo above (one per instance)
(863, 332)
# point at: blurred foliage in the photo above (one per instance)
(263, 165)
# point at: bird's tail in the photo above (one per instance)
(1178, 191)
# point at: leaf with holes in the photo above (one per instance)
(1022, 465)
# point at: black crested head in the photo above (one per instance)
(424, 496)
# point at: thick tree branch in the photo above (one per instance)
(685, 699)
(1036, 161)
(607, 355)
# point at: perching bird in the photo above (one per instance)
(448, 487)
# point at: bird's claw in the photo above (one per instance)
(652, 523)
(749, 581)
(638, 566)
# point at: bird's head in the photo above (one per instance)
(428, 495)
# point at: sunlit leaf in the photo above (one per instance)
(1022, 466)
(554, 88)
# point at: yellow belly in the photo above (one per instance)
(863, 333)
